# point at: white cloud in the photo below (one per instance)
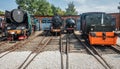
(80, 1)
(77, 1)
(1, 10)
(108, 8)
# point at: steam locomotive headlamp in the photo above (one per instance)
(12, 33)
(22, 27)
(8, 28)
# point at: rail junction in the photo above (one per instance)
(67, 51)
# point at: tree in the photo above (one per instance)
(1, 12)
(38, 7)
(57, 10)
(71, 9)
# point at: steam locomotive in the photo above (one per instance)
(56, 24)
(70, 25)
(18, 24)
(99, 27)
(2, 27)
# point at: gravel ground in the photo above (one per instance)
(51, 60)
(13, 60)
(113, 60)
(9, 44)
(31, 45)
(118, 41)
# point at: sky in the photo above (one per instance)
(108, 6)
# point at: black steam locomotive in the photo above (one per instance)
(56, 24)
(2, 27)
(70, 25)
(19, 24)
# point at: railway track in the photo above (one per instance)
(17, 46)
(64, 49)
(117, 45)
(116, 48)
(3, 38)
(40, 47)
(2, 43)
(75, 45)
(95, 54)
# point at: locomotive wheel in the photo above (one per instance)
(28, 33)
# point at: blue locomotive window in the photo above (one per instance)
(43, 21)
(49, 21)
(46, 20)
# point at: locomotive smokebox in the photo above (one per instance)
(18, 15)
(70, 21)
(70, 24)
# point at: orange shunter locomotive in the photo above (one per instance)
(99, 27)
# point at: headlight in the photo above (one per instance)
(91, 29)
(22, 27)
(8, 28)
(12, 33)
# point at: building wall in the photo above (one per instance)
(63, 17)
(117, 16)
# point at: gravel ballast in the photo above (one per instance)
(52, 60)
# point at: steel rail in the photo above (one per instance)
(2, 43)
(61, 51)
(17, 46)
(93, 54)
(66, 51)
(115, 48)
(35, 50)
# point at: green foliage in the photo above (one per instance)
(71, 9)
(1, 12)
(43, 7)
(38, 7)
(57, 10)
